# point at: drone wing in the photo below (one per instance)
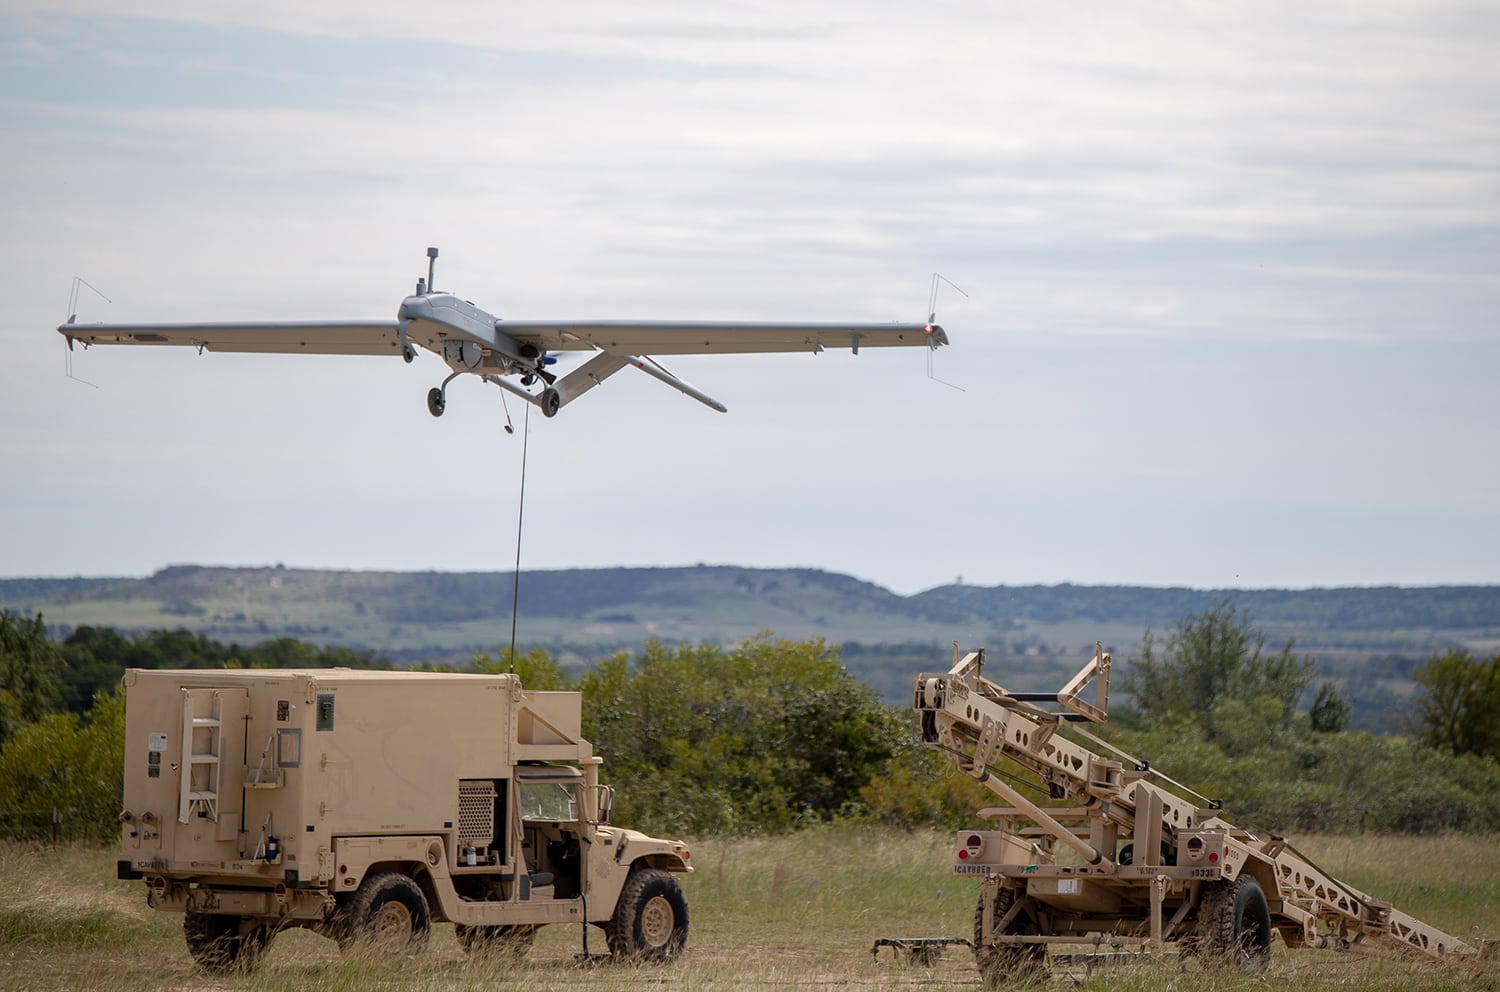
(619, 343)
(673, 337)
(350, 337)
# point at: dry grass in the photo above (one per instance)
(797, 912)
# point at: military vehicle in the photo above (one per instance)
(369, 805)
(1118, 855)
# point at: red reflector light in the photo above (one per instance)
(1213, 856)
(963, 855)
(343, 869)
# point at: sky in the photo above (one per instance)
(1227, 305)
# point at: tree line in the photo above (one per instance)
(774, 734)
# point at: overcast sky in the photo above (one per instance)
(1233, 277)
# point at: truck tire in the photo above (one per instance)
(224, 944)
(1234, 925)
(387, 915)
(512, 940)
(651, 919)
(998, 964)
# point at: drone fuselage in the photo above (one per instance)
(464, 335)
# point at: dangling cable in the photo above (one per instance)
(515, 601)
(506, 407)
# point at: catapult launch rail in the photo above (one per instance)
(1142, 866)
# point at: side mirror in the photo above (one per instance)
(604, 801)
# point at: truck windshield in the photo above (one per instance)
(548, 801)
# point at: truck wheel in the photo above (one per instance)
(388, 914)
(1234, 925)
(651, 918)
(1000, 962)
(512, 940)
(223, 944)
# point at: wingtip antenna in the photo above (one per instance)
(78, 283)
(937, 280)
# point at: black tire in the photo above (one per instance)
(1234, 925)
(999, 963)
(387, 915)
(224, 944)
(551, 402)
(436, 402)
(651, 919)
(512, 941)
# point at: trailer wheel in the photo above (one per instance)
(512, 940)
(997, 963)
(224, 944)
(1234, 925)
(651, 918)
(388, 915)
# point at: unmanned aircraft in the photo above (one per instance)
(472, 341)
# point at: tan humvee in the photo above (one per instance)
(369, 805)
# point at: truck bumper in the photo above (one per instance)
(279, 903)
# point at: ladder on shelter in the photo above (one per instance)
(202, 740)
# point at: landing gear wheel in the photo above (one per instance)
(436, 402)
(408, 353)
(999, 963)
(388, 915)
(224, 944)
(512, 941)
(551, 402)
(651, 918)
(1234, 925)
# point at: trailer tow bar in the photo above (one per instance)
(917, 950)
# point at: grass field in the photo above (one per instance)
(791, 912)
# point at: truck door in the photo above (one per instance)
(552, 832)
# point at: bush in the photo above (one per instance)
(763, 737)
(66, 766)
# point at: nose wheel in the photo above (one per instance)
(436, 402)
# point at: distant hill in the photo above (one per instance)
(1369, 639)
